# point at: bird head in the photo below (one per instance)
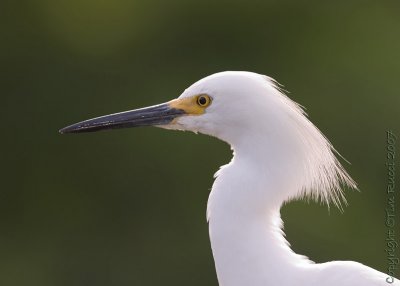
(222, 105)
(252, 114)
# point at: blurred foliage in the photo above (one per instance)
(128, 207)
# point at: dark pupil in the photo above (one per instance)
(202, 100)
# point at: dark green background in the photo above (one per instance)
(128, 207)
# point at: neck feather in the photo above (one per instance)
(246, 234)
(248, 244)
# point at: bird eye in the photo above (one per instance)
(203, 100)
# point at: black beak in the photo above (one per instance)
(161, 114)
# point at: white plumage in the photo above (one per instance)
(279, 155)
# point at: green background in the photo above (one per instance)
(128, 207)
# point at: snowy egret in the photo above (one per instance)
(279, 155)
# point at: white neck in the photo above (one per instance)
(248, 244)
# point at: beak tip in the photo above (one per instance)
(66, 130)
